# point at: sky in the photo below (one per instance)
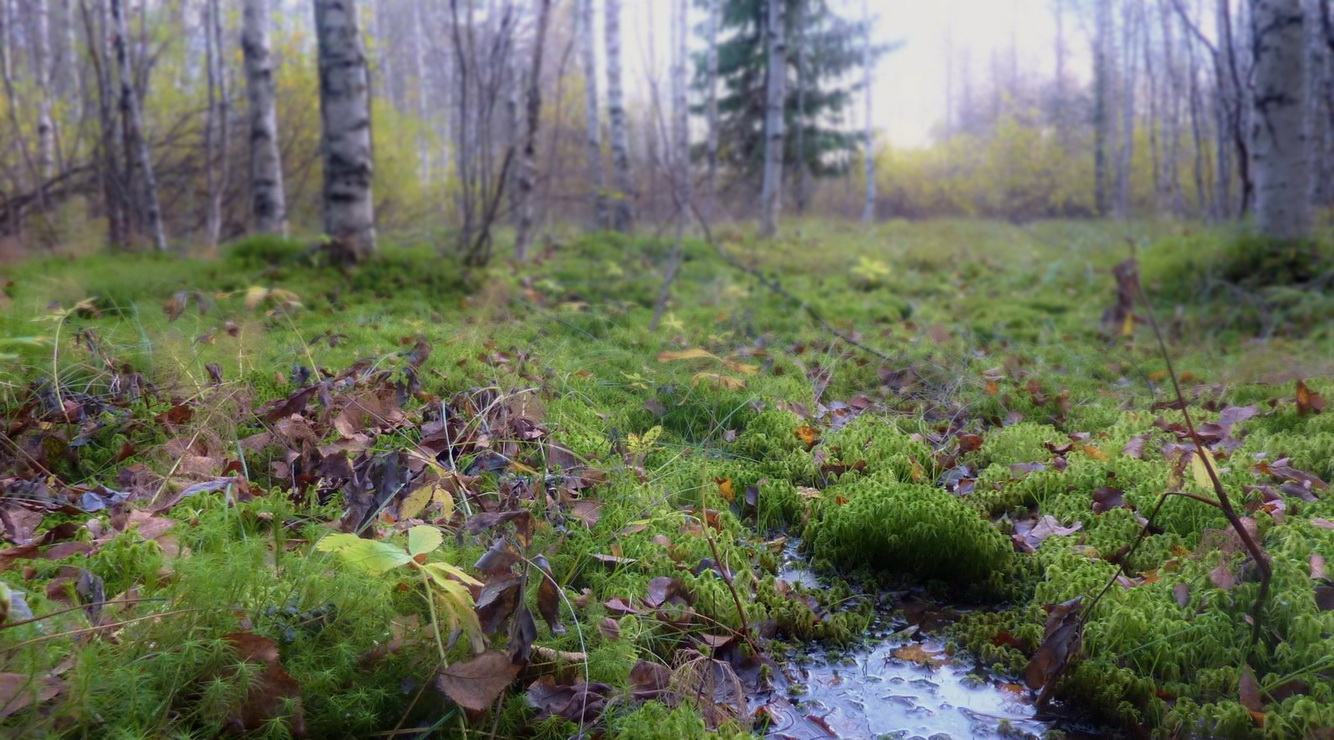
(909, 97)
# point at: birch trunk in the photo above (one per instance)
(533, 121)
(345, 118)
(1278, 129)
(623, 206)
(217, 129)
(868, 212)
(1102, 113)
(41, 74)
(592, 127)
(268, 204)
(799, 120)
(771, 193)
(423, 89)
(711, 93)
(1129, 78)
(136, 143)
(1317, 109)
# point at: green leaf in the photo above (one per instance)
(447, 576)
(370, 555)
(423, 539)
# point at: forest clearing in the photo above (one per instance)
(666, 369)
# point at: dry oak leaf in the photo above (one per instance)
(477, 683)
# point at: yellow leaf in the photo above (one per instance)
(414, 502)
(718, 379)
(255, 295)
(1199, 468)
(1128, 326)
(725, 488)
(688, 354)
(808, 436)
(423, 539)
(738, 367)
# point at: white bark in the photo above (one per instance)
(533, 121)
(135, 141)
(41, 73)
(1318, 105)
(623, 206)
(868, 212)
(711, 104)
(423, 89)
(217, 129)
(345, 117)
(268, 204)
(771, 193)
(1102, 113)
(597, 181)
(1278, 128)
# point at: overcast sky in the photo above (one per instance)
(910, 83)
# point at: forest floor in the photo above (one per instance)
(569, 521)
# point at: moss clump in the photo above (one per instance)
(266, 250)
(907, 529)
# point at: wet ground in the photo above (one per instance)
(899, 683)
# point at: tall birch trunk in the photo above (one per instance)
(1278, 129)
(680, 146)
(1102, 108)
(1129, 79)
(423, 90)
(799, 119)
(623, 215)
(532, 122)
(711, 96)
(771, 192)
(1318, 106)
(868, 211)
(268, 204)
(41, 75)
(597, 182)
(217, 129)
(133, 125)
(345, 118)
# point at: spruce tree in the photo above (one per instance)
(824, 55)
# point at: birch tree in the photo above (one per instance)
(217, 134)
(711, 95)
(136, 144)
(868, 61)
(771, 193)
(41, 74)
(345, 126)
(623, 206)
(532, 121)
(1278, 128)
(268, 204)
(592, 113)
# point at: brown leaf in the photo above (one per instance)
(274, 695)
(499, 558)
(581, 702)
(497, 602)
(548, 597)
(1029, 535)
(587, 511)
(610, 629)
(649, 681)
(1107, 498)
(293, 404)
(1248, 693)
(1134, 446)
(1063, 634)
(19, 691)
(1181, 593)
(921, 655)
(1222, 576)
(1308, 401)
(1324, 598)
(477, 683)
(661, 590)
(1317, 567)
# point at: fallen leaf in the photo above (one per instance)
(916, 653)
(477, 683)
(1248, 693)
(19, 691)
(1308, 401)
(1062, 635)
(274, 695)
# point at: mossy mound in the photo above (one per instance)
(907, 529)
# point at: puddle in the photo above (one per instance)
(897, 684)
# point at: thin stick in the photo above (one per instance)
(1257, 552)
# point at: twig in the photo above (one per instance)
(1257, 552)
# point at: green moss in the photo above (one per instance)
(908, 529)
